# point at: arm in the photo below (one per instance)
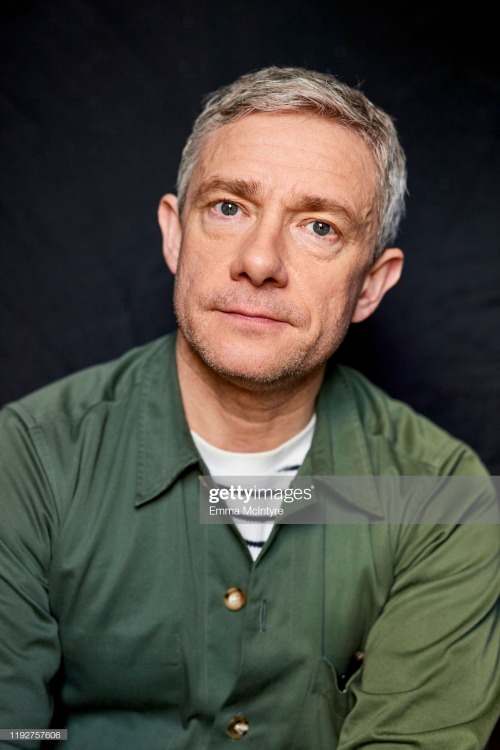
(431, 674)
(29, 647)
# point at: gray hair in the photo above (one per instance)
(275, 89)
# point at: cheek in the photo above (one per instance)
(327, 297)
(183, 285)
(332, 300)
(196, 279)
(202, 257)
(191, 269)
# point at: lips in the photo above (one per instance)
(253, 314)
(265, 307)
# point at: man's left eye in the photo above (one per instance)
(228, 209)
(321, 228)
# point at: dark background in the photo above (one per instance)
(97, 99)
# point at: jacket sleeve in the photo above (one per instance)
(29, 647)
(431, 673)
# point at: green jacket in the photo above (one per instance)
(112, 609)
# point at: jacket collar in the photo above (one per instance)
(165, 446)
(166, 449)
(339, 447)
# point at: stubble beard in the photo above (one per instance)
(284, 373)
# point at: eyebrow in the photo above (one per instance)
(319, 204)
(252, 190)
(245, 188)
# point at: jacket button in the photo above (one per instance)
(237, 727)
(235, 599)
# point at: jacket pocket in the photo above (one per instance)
(325, 709)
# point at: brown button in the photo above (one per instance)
(235, 599)
(237, 727)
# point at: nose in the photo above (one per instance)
(260, 258)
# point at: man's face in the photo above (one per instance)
(276, 245)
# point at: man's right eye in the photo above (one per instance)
(227, 208)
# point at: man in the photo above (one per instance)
(132, 624)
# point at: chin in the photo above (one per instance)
(252, 368)
(247, 361)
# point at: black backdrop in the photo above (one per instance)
(97, 98)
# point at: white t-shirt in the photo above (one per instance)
(285, 460)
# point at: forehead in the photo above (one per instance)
(291, 151)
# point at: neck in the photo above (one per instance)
(237, 417)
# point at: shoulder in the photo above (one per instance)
(399, 438)
(70, 433)
(75, 396)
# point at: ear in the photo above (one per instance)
(383, 274)
(170, 225)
